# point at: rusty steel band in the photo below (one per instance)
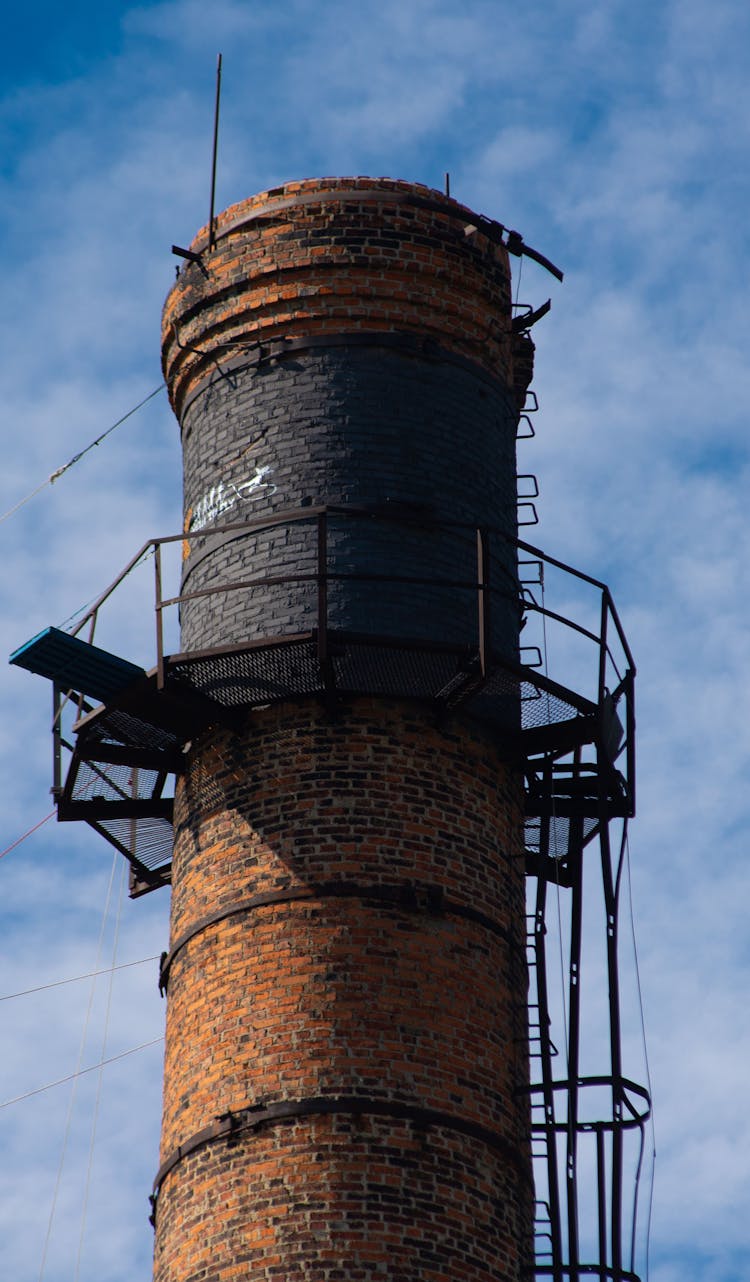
(254, 352)
(406, 896)
(489, 227)
(231, 1125)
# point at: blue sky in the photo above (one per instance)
(615, 138)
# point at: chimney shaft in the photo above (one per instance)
(346, 1034)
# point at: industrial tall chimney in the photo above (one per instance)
(347, 987)
(368, 764)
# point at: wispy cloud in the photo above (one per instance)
(614, 138)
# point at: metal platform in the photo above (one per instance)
(123, 754)
(572, 740)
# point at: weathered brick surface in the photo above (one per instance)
(396, 987)
(346, 997)
(397, 388)
(377, 794)
(359, 426)
(323, 257)
(344, 1200)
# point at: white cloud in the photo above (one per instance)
(613, 137)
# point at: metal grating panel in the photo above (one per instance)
(254, 676)
(393, 670)
(117, 727)
(149, 841)
(100, 782)
(559, 834)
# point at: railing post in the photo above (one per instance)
(601, 1184)
(159, 620)
(56, 741)
(603, 648)
(322, 582)
(483, 600)
(630, 731)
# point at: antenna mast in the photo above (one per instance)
(211, 239)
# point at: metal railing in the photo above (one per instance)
(615, 662)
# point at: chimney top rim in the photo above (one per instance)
(300, 192)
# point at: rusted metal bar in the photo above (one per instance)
(489, 227)
(601, 1190)
(603, 650)
(92, 611)
(636, 1191)
(159, 607)
(483, 602)
(275, 580)
(634, 1122)
(540, 930)
(532, 607)
(292, 516)
(619, 629)
(254, 1116)
(322, 582)
(57, 702)
(610, 906)
(148, 808)
(575, 851)
(630, 739)
(405, 896)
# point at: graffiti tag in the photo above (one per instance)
(223, 497)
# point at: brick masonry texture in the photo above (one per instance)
(421, 412)
(334, 255)
(341, 1200)
(344, 997)
(347, 342)
(360, 427)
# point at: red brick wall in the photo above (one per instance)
(347, 976)
(325, 257)
(371, 996)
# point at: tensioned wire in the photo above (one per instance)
(60, 471)
(39, 824)
(112, 1059)
(105, 1035)
(75, 979)
(79, 1071)
(81, 1050)
(649, 1212)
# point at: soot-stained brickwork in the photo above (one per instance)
(348, 341)
(366, 426)
(385, 987)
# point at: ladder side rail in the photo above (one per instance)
(573, 1055)
(610, 885)
(548, 1092)
(601, 1200)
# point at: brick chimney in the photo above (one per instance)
(346, 1049)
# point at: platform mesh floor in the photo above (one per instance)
(258, 675)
